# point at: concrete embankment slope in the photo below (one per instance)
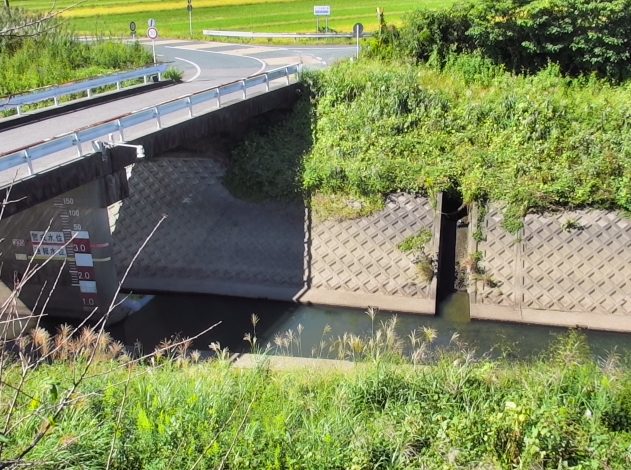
(213, 242)
(568, 268)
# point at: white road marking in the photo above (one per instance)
(263, 64)
(206, 45)
(199, 71)
(251, 50)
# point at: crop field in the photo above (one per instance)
(105, 17)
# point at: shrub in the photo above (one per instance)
(529, 142)
(173, 74)
(581, 36)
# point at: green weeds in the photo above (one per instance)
(529, 143)
(34, 59)
(410, 405)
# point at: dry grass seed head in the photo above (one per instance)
(41, 340)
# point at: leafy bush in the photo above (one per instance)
(529, 142)
(580, 36)
(173, 74)
(268, 163)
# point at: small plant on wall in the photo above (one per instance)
(416, 246)
(476, 272)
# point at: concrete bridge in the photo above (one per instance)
(55, 227)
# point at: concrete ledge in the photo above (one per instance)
(589, 321)
(230, 121)
(210, 286)
(363, 301)
(51, 183)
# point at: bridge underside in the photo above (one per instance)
(213, 242)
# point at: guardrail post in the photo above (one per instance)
(120, 129)
(189, 103)
(56, 100)
(89, 92)
(156, 113)
(118, 85)
(287, 74)
(266, 82)
(76, 141)
(144, 79)
(29, 163)
(18, 108)
(243, 94)
(218, 97)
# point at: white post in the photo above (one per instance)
(77, 142)
(120, 129)
(156, 113)
(153, 47)
(357, 52)
(189, 101)
(190, 22)
(243, 89)
(29, 163)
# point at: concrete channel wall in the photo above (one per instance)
(215, 243)
(569, 268)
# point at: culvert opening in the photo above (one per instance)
(451, 294)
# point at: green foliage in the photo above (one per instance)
(34, 59)
(268, 163)
(580, 36)
(561, 410)
(416, 243)
(529, 142)
(342, 206)
(173, 74)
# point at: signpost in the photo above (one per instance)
(358, 30)
(132, 28)
(322, 10)
(189, 7)
(152, 33)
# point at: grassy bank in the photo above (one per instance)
(530, 142)
(50, 54)
(440, 409)
(114, 16)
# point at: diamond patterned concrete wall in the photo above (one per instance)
(361, 257)
(582, 273)
(212, 242)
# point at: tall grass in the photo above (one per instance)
(57, 56)
(175, 411)
(531, 143)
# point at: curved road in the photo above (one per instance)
(205, 65)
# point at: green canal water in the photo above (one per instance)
(168, 316)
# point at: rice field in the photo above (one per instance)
(112, 17)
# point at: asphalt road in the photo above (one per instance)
(205, 65)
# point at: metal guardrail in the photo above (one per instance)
(55, 93)
(247, 34)
(118, 125)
